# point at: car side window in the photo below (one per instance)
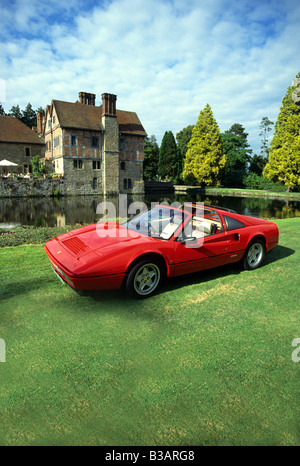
(209, 224)
(232, 223)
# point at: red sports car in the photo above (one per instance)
(163, 242)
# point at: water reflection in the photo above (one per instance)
(82, 209)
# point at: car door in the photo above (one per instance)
(208, 252)
(237, 236)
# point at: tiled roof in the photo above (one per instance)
(13, 130)
(129, 123)
(80, 116)
(77, 115)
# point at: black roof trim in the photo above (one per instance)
(212, 207)
(221, 208)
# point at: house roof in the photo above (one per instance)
(81, 116)
(77, 115)
(15, 131)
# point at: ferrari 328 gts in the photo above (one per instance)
(163, 242)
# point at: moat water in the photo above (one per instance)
(83, 209)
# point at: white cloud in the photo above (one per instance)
(164, 59)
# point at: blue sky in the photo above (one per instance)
(165, 59)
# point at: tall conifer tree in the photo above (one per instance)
(169, 164)
(284, 153)
(204, 161)
(151, 152)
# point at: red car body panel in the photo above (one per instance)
(99, 255)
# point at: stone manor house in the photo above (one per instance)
(97, 149)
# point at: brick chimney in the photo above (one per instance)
(39, 121)
(109, 105)
(110, 154)
(86, 98)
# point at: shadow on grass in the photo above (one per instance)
(22, 286)
(278, 253)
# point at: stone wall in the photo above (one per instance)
(76, 183)
(36, 187)
(31, 187)
(84, 180)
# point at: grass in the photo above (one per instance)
(253, 192)
(241, 192)
(207, 361)
(27, 234)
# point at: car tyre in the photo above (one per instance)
(254, 254)
(144, 279)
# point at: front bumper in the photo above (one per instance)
(104, 282)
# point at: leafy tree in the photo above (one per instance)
(169, 163)
(37, 167)
(2, 112)
(29, 116)
(151, 153)
(183, 138)
(204, 161)
(237, 154)
(238, 130)
(265, 127)
(254, 181)
(257, 164)
(16, 112)
(284, 159)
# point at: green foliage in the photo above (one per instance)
(37, 167)
(257, 164)
(183, 138)
(32, 234)
(27, 116)
(170, 162)
(204, 161)
(238, 130)
(151, 154)
(284, 158)
(15, 111)
(2, 112)
(237, 154)
(255, 181)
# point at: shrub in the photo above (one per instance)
(254, 181)
(37, 167)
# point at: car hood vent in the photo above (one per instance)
(76, 245)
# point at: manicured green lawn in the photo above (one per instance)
(207, 361)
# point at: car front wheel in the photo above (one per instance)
(254, 255)
(144, 279)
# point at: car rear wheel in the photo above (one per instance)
(144, 279)
(254, 255)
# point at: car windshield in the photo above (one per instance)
(159, 222)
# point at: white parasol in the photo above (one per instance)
(6, 163)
